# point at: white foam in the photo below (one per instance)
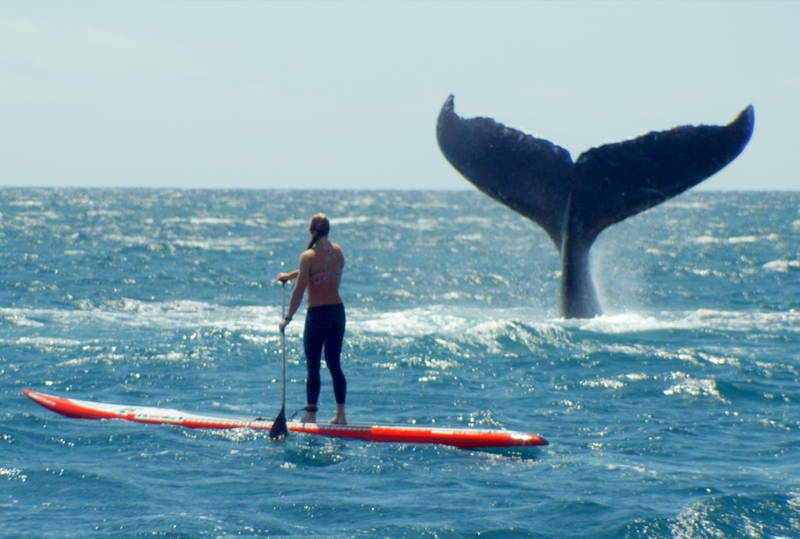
(625, 323)
(18, 317)
(657, 252)
(226, 245)
(232, 435)
(703, 272)
(719, 360)
(607, 383)
(704, 240)
(104, 213)
(26, 203)
(365, 200)
(437, 365)
(636, 377)
(293, 223)
(132, 240)
(687, 205)
(745, 239)
(713, 240)
(419, 224)
(469, 238)
(212, 221)
(357, 220)
(461, 323)
(136, 313)
(699, 319)
(456, 329)
(13, 474)
(768, 322)
(782, 265)
(695, 387)
(630, 467)
(47, 342)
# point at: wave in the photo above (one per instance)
(462, 323)
(126, 312)
(408, 222)
(26, 203)
(714, 240)
(776, 321)
(226, 245)
(223, 244)
(726, 515)
(199, 222)
(17, 317)
(689, 205)
(782, 266)
(49, 342)
(685, 384)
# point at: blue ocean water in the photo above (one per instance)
(672, 415)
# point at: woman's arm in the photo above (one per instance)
(299, 289)
(283, 277)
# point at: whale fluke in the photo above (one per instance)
(575, 201)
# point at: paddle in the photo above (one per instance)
(279, 430)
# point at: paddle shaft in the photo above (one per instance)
(283, 347)
(279, 430)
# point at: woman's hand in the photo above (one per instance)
(283, 324)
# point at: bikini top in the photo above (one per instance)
(326, 272)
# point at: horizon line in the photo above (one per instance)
(332, 189)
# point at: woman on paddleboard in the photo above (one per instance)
(321, 266)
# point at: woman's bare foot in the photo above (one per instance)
(340, 418)
(311, 414)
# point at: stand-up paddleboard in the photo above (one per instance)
(459, 437)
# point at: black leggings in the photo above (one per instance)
(324, 326)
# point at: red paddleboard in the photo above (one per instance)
(460, 437)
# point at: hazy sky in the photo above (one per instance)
(345, 94)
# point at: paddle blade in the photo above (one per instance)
(279, 431)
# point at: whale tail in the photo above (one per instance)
(575, 201)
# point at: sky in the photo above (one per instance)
(345, 94)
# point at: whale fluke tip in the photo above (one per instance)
(747, 117)
(449, 104)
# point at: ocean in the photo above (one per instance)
(674, 414)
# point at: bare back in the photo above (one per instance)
(322, 266)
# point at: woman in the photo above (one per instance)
(321, 266)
